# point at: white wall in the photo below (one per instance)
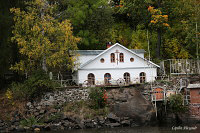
(116, 70)
(151, 73)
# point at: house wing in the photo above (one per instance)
(117, 44)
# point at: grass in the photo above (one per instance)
(9, 106)
(30, 122)
(84, 110)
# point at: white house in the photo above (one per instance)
(115, 65)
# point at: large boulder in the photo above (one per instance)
(136, 107)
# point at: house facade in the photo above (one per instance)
(112, 66)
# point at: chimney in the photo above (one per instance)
(108, 44)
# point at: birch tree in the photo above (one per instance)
(43, 41)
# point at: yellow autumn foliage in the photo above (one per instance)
(9, 94)
(42, 35)
(173, 49)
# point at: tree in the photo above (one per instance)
(41, 38)
(158, 21)
(133, 12)
(175, 105)
(8, 51)
(173, 49)
(91, 19)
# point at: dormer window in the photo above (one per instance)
(121, 57)
(112, 57)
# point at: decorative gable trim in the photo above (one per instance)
(117, 44)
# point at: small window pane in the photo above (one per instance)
(121, 57)
(112, 57)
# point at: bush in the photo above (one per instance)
(175, 104)
(35, 86)
(98, 97)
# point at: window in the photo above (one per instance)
(112, 57)
(127, 77)
(132, 59)
(121, 57)
(107, 78)
(102, 60)
(91, 79)
(142, 77)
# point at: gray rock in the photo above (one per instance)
(113, 118)
(36, 113)
(42, 111)
(113, 125)
(89, 125)
(125, 123)
(66, 124)
(2, 124)
(137, 108)
(38, 107)
(28, 104)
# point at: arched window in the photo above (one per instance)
(91, 79)
(127, 77)
(142, 77)
(112, 57)
(107, 77)
(121, 57)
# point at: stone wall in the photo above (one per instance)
(127, 106)
(60, 97)
(49, 106)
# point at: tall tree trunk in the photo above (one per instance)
(158, 43)
(44, 64)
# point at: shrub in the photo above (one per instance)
(98, 97)
(35, 86)
(175, 104)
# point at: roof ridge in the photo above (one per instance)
(117, 44)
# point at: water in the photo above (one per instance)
(173, 129)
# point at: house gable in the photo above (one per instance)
(138, 61)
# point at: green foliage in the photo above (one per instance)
(121, 32)
(8, 51)
(84, 109)
(173, 50)
(91, 19)
(135, 11)
(54, 117)
(30, 122)
(96, 22)
(98, 97)
(35, 86)
(175, 104)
